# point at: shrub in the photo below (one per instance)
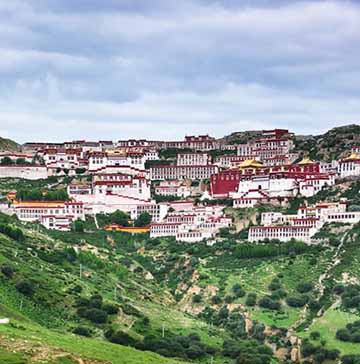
(274, 285)
(12, 232)
(95, 301)
(278, 294)
(304, 287)
(8, 271)
(82, 331)
(268, 302)
(196, 298)
(25, 287)
(315, 335)
(339, 289)
(96, 315)
(110, 309)
(216, 299)
(297, 301)
(238, 290)
(251, 299)
(143, 219)
(122, 338)
(351, 333)
(78, 226)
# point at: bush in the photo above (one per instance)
(339, 289)
(274, 285)
(304, 287)
(96, 315)
(122, 338)
(238, 290)
(26, 288)
(143, 219)
(315, 335)
(196, 298)
(78, 226)
(216, 299)
(12, 232)
(82, 331)
(351, 333)
(268, 302)
(8, 271)
(110, 309)
(95, 301)
(251, 299)
(278, 294)
(297, 301)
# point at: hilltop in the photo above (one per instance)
(333, 144)
(8, 145)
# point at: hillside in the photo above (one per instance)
(335, 143)
(100, 297)
(8, 145)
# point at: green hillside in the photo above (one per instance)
(104, 297)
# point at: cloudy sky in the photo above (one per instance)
(114, 69)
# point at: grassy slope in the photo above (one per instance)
(41, 338)
(56, 280)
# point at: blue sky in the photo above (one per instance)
(114, 69)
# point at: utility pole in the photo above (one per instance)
(115, 293)
(212, 360)
(163, 330)
(21, 304)
(80, 271)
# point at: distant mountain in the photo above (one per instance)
(8, 145)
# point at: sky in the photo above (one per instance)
(162, 69)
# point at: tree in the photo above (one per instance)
(251, 299)
(238, 290)
(143, 219)
(196, 298)
(78, 226)
(6, 161)
(120, 218)
(21, 161)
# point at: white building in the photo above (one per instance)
(116, 158)
(281, 233)
(350, 166)
(193, 159)
(173, 188)
(52, 214)
(30, 172)
(157, 211)
(170, 172)
(121, 185)
(200, 223)
(252, 198)
(304, 225)
(62, 159)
